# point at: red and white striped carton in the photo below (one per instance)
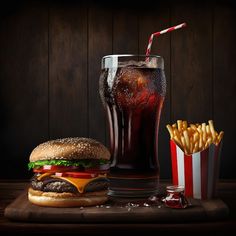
(198, 172)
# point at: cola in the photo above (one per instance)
(133, 92)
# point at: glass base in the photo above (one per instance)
(132, 193)
(133, 187)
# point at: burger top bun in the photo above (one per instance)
(70, 149)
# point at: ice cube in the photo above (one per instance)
(131, 87)
(152, 63)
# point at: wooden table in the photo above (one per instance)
(9, 190)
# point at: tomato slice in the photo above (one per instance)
(37, 170)
(80, 175)
(54, 168)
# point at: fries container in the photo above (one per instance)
(198, 172)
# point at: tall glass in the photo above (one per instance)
(132, 89)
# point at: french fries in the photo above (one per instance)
(195, 137)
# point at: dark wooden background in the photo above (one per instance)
(50, 55)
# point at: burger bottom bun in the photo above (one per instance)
(52, 199)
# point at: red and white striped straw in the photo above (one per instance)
(162, 32)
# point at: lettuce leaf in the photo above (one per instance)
(82, 163)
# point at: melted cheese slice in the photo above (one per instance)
(77, 182)
(42, 176)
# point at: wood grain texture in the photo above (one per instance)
(10, 190)
(125, 30)
(50, 58)
(191, 62)
(22, 210)
(68, 70)
(23, 85)
(225, 82)
(100, 44)
(154, 20)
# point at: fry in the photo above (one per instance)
(208, 130)
(220, 136)
(170, 131)
(186, 138)
(190, 131)
(177, 141)
(195, 149)
(193, 127)
(194, 137)
(212, 129)
(209, 139)
(185, 125)
(200, 143)
(199, 130)
(174, 126)
(179, 124)
(208, 142)
(183, 142)
(186, 151)
(204, 134)
(176, 133)
(191, 145)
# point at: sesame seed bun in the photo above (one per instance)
(70, 149)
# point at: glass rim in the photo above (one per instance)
(131, 55)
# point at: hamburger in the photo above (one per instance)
(69, 172)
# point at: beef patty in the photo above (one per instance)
(50, 184)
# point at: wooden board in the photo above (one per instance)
(22, 210)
